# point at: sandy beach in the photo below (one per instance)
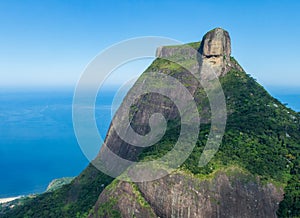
(5, 200)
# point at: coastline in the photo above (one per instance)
(7, 200)
(53, 185)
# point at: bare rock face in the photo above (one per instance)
(216, 50)
(227, 194)
(169, 51)
(216, 43)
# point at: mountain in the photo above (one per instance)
(254, 173)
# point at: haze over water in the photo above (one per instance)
(37, 141)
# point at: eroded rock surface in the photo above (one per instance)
(222, 196)
(230, 194)
(215, 50)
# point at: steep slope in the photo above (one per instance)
(258, 160)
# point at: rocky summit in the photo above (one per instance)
(216, 50)
(255, 173)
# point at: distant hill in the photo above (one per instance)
(58, 183)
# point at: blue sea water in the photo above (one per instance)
(37, 140)
(290, 100)
(290, 96)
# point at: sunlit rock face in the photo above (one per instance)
(216, 43)
(215, 49)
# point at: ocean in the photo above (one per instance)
(37, 140)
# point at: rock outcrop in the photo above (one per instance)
(230, 194)
(216, 43)
(224, 195)
(184, 51)
(215, 49)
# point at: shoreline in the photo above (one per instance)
(7, 200)
(53, 185)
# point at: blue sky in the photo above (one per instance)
(49, 43)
